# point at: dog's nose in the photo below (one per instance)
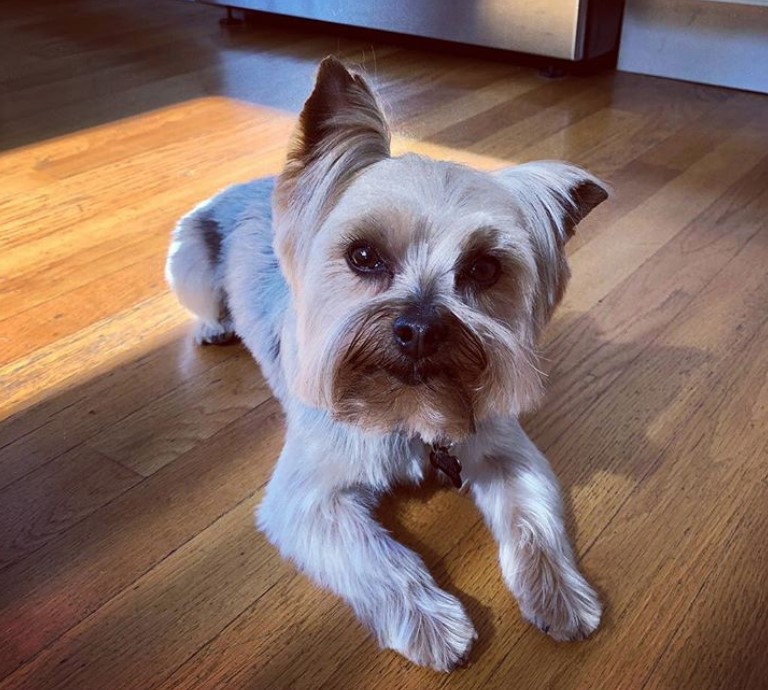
(419, 333)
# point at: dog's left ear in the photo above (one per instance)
(554, 198)
(560, 192)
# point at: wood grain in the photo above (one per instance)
(53, 589)
(46, 503)
(166, 428)
(209, 577)
(131, 461)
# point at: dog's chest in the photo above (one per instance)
(395, 460)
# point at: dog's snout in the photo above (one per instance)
(419, 333)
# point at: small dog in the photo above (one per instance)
(394, 305)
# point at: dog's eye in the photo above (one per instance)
(363, 258)
(484, 271)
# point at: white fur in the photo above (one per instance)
(191, 277)
(518, 495)
(318, 505)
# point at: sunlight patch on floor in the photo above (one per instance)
(105, 198)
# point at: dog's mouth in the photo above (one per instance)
(417, 373)
(433, 397)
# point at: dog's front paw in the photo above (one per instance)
(432, 630)
(566, 607)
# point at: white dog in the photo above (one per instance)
(394, 305)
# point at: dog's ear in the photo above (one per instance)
(341, 131)
(554, 198)
(342, 112)
(563, 193)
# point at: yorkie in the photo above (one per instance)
(394, 305)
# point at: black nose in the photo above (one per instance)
(419, 332)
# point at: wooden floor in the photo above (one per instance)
(130, 461)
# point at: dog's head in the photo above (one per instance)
(419, 286)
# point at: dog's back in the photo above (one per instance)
(223, 248)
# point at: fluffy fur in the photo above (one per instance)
(269, 262)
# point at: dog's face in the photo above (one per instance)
(419, 286)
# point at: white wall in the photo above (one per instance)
(723, 43)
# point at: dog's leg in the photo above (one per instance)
(332, 536)
(192, 271)
(517, 493)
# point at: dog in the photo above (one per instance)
(394, 305)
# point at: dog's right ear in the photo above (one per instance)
(341, 115)
(341, 131)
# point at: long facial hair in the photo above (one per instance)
(441, 396)
(350, 365)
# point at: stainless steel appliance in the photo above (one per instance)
(573, 30)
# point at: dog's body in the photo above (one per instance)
(393, 304)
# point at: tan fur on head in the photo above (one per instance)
(428, 220)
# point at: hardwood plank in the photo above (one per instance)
(686, 553)
(617, 131)
(581, 352)
(547, 108)
(639, 234)
(632, 185)
(52, 426)
(70, 259)
(538, 123)
(614, 137)
(63, 157)
(65, 314)
(175, 423)
(133, 76)
(55, 366)
(702, 134)
(46, 503)
(715, 495)
(73, 205)
(257, 650)
(722, 637)
(430, 111)
(652, 397)
(200, 577)
(54, 589)
(426, 148)
(664, 160)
